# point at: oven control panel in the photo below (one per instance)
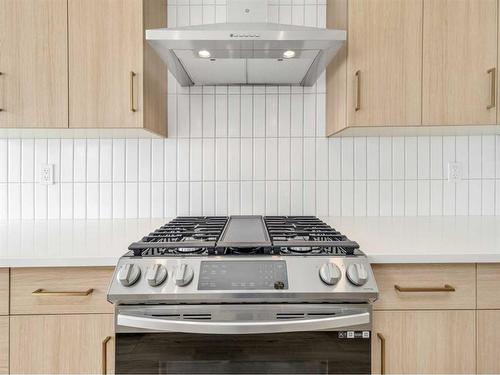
(239, 279)
(243, 275)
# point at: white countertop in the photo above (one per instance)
(44, 243)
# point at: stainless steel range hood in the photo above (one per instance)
(246, 53)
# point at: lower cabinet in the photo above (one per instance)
(4, 344)
(61, 344)
(488, 341)
(424, 342)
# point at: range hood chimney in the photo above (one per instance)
(247, 50)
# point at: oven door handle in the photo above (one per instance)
(243, 327)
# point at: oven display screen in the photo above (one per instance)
(243, 275)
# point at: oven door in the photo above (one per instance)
(239, 339)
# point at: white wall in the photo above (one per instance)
(238, 150)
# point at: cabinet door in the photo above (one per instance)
(105, 51)
(4, 344)
(424, 342)
(460, 48)
(61, 344)
(33, 63)
(488, 341)
(385, 62)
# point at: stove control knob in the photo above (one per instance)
(357, 274)
(183, 275)
(129, 274)
(330, 273)
(156, 275)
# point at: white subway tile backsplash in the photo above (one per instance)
(449, 198)
(347, 198)
(372, 198)
(436, 167)
(488, 156)
(249, 150)
(475, 157)
(372, 158)
(4, 167)
(131, 160)
(475, 197)
(27, 160)
(92, 159)
(360, 158)
(309, 162)
(488, 197)
(14, 160)
(398, 158)
(462, 198)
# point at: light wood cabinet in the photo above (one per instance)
(34, 64)
(384, 64)
(61, 344)
(460, 47)
(4, 344)
(116, 79)
(385, 56)
(425, 286)
(60, 290)
(488, 341)
(488, 286)
(4, 291)
(424, 342)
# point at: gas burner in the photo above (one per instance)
(189, 250)
(301, 249)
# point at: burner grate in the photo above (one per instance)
(307, 235)
(184, 236)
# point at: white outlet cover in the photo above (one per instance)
(47, 174)
(454, 171)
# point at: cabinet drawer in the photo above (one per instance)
(60, 290)
(426, 286)
(488, 286)
(4, 291)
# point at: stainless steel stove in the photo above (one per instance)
(229, 294)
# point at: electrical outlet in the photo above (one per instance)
(47, 174)
(454, 171)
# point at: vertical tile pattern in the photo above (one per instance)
(249, 150)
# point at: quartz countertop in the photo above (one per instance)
(46, 243)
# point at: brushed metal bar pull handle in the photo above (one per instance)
(43, 292)
(1, 109)
(445, 288)
(493, 95)
(382, 352)
(358, 90)
(104, 351)
(132, 105)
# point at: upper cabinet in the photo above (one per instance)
(459, 62)
(33, 64)
(116, 80)
(385, 62)
(83, 65)
(413, 65)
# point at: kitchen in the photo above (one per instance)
(395, 145)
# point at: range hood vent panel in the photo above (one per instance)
(246, 53)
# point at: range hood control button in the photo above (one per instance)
(183, 275)
(129, 274)
(330, 274)
(156, 275)
(357, 274)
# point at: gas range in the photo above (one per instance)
(243, 259)
(229, 294)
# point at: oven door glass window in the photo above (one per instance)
(316, 352)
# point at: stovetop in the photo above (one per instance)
(244, 235)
